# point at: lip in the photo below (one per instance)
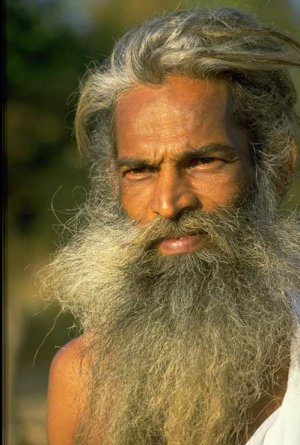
(184, 244)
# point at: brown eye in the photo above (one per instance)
(138, 172)
(206, 160)
(206, 163)
(203, 161)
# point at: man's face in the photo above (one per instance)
(179, 149)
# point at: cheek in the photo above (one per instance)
(223, 193)
(221, 189)
(136, 200)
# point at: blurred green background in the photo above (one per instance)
(49, 45)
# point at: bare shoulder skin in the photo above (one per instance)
(66, 392)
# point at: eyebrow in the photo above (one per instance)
(206, 150)
(133, 162)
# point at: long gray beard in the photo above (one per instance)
(180, 347)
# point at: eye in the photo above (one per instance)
(138, 172)
(209, 164)
(203, 160)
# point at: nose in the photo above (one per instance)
(172, 194)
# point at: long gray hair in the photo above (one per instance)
(224, 43)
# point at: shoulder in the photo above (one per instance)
(67, 391)
(69, 360)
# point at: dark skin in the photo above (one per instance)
(179, 149)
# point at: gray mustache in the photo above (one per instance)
(190, 223)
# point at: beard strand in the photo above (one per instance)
(181, 346)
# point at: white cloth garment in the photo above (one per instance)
(283, 426)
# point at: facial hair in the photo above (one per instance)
(182, 346)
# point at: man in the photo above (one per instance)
(182, 272)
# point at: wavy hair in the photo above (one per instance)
(224, 43)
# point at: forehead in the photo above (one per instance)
(173, 88)
(180, 112)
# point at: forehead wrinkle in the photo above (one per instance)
(159, 122)
(177, 156)
(156, 155)
(173, 133)
(152, 101)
